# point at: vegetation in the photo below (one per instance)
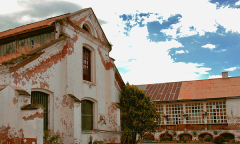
(138, 113)
(51, 138)
(148, 137)
(206, 138)
(219, 140)
(165, 137)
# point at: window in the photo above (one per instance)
(216, 112)
(87, 115)
(86, 64)
(173, 113)
(161, 112)
(85, 28)
(194, 113)
(41, 98)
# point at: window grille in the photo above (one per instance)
(161, 112)
(216, 112)
(41, 98)
(173, 113)
(86, 64)
(87, 115)
(194, 112)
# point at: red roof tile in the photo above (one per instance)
(30, 27)
(190, 90)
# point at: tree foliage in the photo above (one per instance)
(138, 113)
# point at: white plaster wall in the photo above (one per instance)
(4, 100)
(232, 109)
(60, 75)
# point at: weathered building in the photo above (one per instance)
(196, 108)
(57, 75)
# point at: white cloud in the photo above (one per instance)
(215, 76)
(10, 6)
(209, 46)
(222, 50)
(181, 51)
(152, 62)
(232, 69)
(237, 3)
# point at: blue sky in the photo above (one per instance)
(154, 42)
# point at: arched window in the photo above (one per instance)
(85, 28)
(87, 115)
(86, 64)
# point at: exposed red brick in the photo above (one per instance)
(79, 23)
(112, 117)
(31, 117)
(44, 85)
(4, 133)
(108, 65)
(15, 100)
(117, 86)
(75, 38)
(26, 61)
(42, 67)
(67, 102)
(98, 36)
(119, 80)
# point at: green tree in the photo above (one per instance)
(138, 113)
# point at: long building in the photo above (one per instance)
(197, 108)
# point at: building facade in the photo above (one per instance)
(57, 75)
(193, 109)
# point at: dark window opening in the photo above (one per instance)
(87, 115)
(86, 64)
(85, 28)
(41, 98)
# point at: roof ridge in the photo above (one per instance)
(35, 22)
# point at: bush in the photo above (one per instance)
(50, 137)
(206, 138)
(219, 140)
(148, 137)
(165, 137)
(185, 137)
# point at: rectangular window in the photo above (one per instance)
(216, 112)
(173, 113)
(161, 112)
(86, 64)
(87, 115)
(194, 113)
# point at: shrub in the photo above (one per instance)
(148, 137)
(219, 140)
(50, 137)
(165, 137)
(207, 138)
(185, 137)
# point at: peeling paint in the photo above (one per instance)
(31, 117)
(107, 65)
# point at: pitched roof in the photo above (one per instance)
(30, 27)
(193, 90)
